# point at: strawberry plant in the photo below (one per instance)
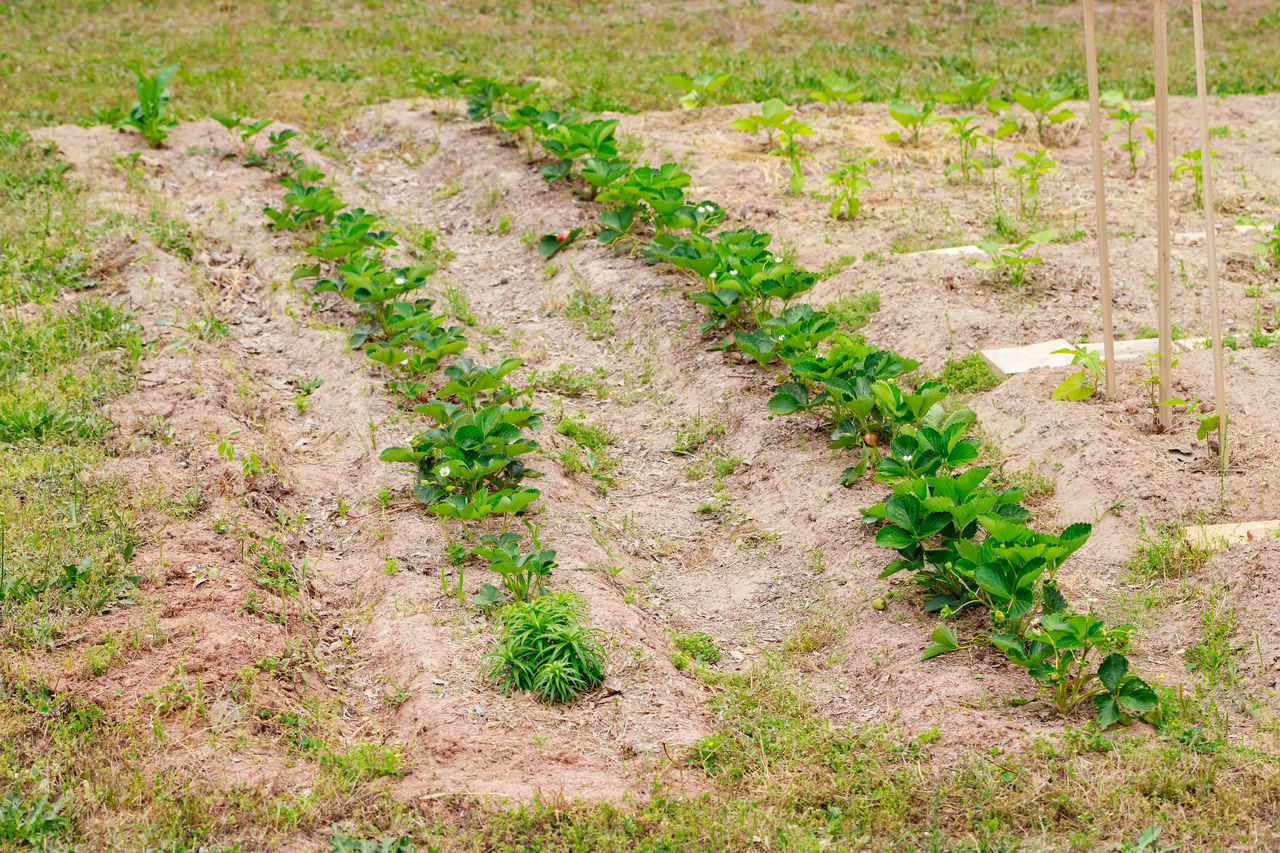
(546, 648)
(150, 113)
(350, 233)
(695, 90)
(569, 142)
(527, 123)
(306, 203)
(601, 172)
(1011, 262)
(484, 95)
(925, 521)
(835, 91)
(791, 335)
(1033, 167)
(549, 245)
(912, 118)
(928, 451)
(969, 136)
(1084, 383)
(847, 182)
(468, 451)
(482, 506)
(1044, 106)
(524, 573)
(1061, 654)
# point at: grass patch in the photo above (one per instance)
(969, 374)
(260, 57)
(851, 313)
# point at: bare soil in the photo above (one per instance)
(748, 576)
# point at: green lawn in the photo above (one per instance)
(314, 62)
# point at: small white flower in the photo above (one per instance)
(551, 126)
(733, 272)
(400, 279)
(444, 470)
(907, 458)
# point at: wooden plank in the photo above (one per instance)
(1215, 537)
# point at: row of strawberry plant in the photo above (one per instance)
(966, 542)
(469, 468)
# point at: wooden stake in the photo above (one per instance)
(1099, 192)
(1210, 239)
(1160, 9)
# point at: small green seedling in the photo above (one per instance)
(1269, 246)
(1033, 167)
(789, 147)
(697, 89)
(1011, 262)
(1084, 383)
(847, 181)
(969, 92)
(150, 114)
(1189, 163)
(1124, 114)
(912, 118)
(1044, 106)
(836, 91)
(243, 128)
(772, 118)
(969, 134)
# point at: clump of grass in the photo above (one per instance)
(695, 432)
(547, 649)
(969, 374)
(1166, 553)
(593, 311)
(569, 380)
(588, 435)
(851, 313)
(1033, 480)
(698, 646)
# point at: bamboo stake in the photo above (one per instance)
(1210, 239)
(1160, 10)
(1099, 190)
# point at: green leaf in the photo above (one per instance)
(944, 641)
(1112, 670)
(1108, 712)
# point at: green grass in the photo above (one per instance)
(969, 374)
(316, 63)
(851, 313)
(41, 229)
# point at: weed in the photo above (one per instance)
(852, 312)
(698, 646)
(693, 433)
(1166, 553)
(545, 648)
(593, 311)
(568, 380)
(969, 374)
(847, 182)
(150, 113)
